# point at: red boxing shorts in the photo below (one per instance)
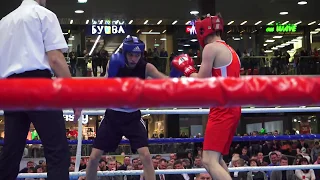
(221, 128)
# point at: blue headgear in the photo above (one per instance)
(133, 44)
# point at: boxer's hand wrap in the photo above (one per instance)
(117, 61)
(185, 64)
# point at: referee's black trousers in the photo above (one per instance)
(50, 126)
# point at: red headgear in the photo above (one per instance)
(208, 26)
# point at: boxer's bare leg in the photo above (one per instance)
(223, 164)
(148, 169)
(91, 171)
(214, 164)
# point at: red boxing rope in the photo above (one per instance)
(136, 93)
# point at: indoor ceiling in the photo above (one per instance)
(171, 10)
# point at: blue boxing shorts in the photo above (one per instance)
(117, 124)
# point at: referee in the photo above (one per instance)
(31, 46)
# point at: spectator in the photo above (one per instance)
(112, 167)
(102, 165)
(306, 174)
(83, 164)
(300, 145)
(203, 176)
(244, 155)
(274, 162)
(260, 160)
(71, 167)
(155, 162)
(283, 175)
(304, 154)
(255, 175)
(315, 151)
(197, 162)
(186, 163)
(178, 165)
(126, 162)
(163, 164)
(317, 171)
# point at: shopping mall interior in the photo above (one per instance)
(276, 38)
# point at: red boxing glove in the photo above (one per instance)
(185, 64)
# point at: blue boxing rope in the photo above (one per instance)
(176, 171)
(195, 140)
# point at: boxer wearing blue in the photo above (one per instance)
(120, 122)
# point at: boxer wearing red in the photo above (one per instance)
(218, 60)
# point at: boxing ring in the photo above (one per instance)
(40, 94)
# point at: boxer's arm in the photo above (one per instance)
(208, 55)
(152, 71)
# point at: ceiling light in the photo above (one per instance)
(302, 2)
(194, 12)
(274, 48)
(138, 30)
(277, 37)
(270, 40)
(188, 22)
(186, 45)
(230, 22)
(163, 39)
(265, 44)
(236, 39)
(193, 40)
(268, 51)
(159, 22)
(146, 22)
(257, 22)
(174, 22)
(270, 23)
(283, 13)
(298, 23)
(87, 21)
(285, 23)
(130, 22)
(314, 32)
(180, 50)
(82, 1)
(286, 44)
(71, 21)
(150, 32)
(164, 31)
(280, 46)
(243, 23)
(313, 22)
(79, 11)
(291, 51)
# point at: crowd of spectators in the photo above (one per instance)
(253, 153)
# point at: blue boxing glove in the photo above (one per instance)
(175, 72)
(116, 62)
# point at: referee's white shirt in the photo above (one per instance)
(26, 34)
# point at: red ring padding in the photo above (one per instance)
(136, 93)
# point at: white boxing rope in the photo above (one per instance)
(202, 111)
(177, 171)
(79, 144)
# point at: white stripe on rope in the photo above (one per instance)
(177, 171)
(79, 145)
(203, 111)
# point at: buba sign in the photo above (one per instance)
(279, 28)
(106, 30)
